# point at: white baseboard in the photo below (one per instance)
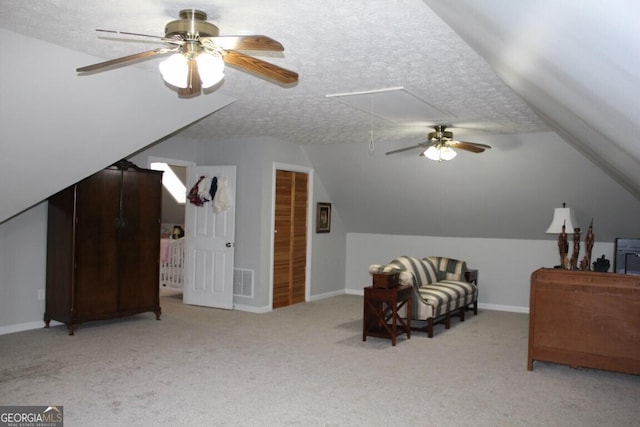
(498, 307)
(494, 307)
(326, 295)
(260, 310)
(28, 326)
(251, 309)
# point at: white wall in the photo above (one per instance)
(255, 158)
(328, 261)
(505, 265)
(67, 127)
(327, 251)
(22, 270)
(508, 192)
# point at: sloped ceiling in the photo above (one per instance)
(527, 78)
(56, 129)
(575, 63)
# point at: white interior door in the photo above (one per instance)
(209, 243)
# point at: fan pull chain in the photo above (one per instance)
(372, 145)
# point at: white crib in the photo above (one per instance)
(171, 263)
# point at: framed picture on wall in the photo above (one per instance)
(323, 218)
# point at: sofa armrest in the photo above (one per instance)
(404, 278)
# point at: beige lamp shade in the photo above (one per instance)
(562, 216)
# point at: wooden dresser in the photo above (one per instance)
(585, 319)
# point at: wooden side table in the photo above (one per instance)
(381, 318)
(471, 276)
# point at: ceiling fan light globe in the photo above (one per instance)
(175, 70)
(432, 153)
(439, 153)
(447, 153)
(210, 69)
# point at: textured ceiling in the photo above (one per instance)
(573, 63)
(399, 43)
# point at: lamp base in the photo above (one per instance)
(563, 249)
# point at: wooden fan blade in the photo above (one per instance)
(424, 145)
(260, 67)
(194, 84)
(469, 146)
(245, 42)
(122, 60)
(171, 40)
(477, 144)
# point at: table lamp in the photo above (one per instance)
(563, 222)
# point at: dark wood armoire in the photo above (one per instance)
(103, 246)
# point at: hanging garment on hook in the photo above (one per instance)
(213, 188)
(221, 200)
(203, 190)
(193, 196)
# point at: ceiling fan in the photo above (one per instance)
(199, 54)
(440, 144)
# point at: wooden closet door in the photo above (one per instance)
(290, 240)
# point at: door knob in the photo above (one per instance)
(228, 244)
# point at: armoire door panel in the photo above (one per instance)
(96, 243)
(139, 242)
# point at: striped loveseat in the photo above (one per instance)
(440, 288)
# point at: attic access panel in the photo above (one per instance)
(396, 105)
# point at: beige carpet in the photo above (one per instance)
(304, 365)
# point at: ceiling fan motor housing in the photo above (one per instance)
(440, 134)
(191, 25)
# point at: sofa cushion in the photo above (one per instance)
(448, 268)
(447, 295)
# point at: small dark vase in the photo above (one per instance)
(601, 264)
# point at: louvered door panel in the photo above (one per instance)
(299, 243)
(290, 240)
(282, 239)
